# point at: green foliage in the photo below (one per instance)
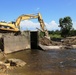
(66, 25)
(55, 34)
(41, 34)
(72, 32)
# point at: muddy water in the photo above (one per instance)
(53, 62)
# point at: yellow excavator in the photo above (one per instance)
(15, 26)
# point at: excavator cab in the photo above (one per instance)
(12, 22)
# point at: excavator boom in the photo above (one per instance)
(24, 17)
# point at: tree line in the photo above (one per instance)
(66, 28)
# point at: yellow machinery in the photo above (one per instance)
(15, 26)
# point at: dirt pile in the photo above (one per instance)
(47, 42)
(69, 41)
(66, 41)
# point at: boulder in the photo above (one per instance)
(15, 62)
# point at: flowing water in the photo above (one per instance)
(52, 62)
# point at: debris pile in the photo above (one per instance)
(11, 64)
(65, 41)
(45, 41)
(69, 41)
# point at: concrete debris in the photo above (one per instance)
(15, 62)
(50, 47)
(11, 64)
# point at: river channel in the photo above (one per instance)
(38, 62)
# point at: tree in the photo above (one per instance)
(66, 25)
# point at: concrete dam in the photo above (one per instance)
(27, 40)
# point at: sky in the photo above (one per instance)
(51, 11)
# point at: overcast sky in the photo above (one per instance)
(51, 11)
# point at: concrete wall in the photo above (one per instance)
(16, 43)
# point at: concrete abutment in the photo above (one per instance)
(27, 40)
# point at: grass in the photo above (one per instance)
(55, 36)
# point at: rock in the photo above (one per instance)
(3, 67)
(68, 47)
(74, 59)
(11, 64)
(61, 62)
(16, 62)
